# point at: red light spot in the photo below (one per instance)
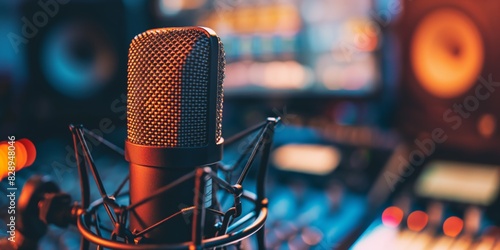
(392, 216)
(3, 163)
(453, 226)
(25, 154)
(21, 156)
(417, 221)
(30, 149)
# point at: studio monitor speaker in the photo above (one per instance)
(76, 56)
(450, 81)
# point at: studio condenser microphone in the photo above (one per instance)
(173, 146)
(174, 115)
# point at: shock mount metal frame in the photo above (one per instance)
(234, 227)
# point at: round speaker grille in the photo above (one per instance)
(447, 53)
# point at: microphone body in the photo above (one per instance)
(174, 116)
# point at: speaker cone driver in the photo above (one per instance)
(447, 53)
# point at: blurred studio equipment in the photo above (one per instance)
(12, 72)
(443, 183)
(450, 72)
(76, 62)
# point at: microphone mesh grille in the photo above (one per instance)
(167, 91)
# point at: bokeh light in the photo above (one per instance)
(21, 156)
(3, 163)
(417, 220)
(487, 125)
(25, 155)
(453, 226)
(30, 149)
(392, 216)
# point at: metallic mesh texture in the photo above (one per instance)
(168, 83)
(221, 69)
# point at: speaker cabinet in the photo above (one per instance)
(450, 81)
(76, 54)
